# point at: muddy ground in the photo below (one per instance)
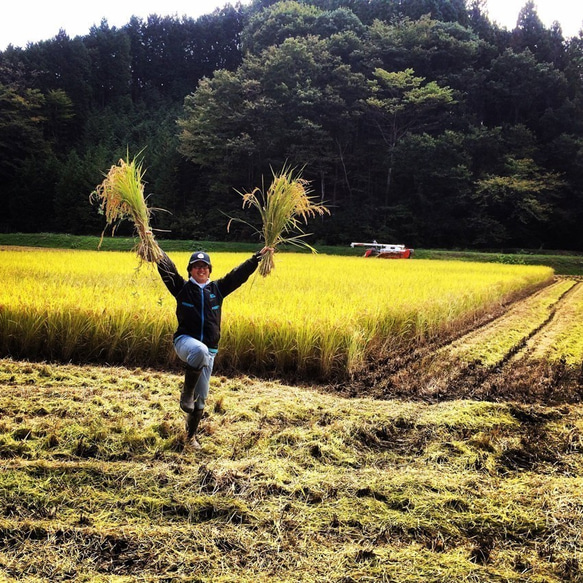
(431, 374)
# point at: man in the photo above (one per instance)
(198, 310)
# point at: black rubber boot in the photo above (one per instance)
(187, 399)
(192, 421)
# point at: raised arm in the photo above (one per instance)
(241, 274)
(169, 274)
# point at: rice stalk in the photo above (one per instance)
(283, 208)
(121, 196)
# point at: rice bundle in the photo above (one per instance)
(286, 204)
(121, 196)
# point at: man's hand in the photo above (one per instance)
(259, 254)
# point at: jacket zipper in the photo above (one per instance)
(201, 314)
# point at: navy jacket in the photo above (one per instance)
(199, 309)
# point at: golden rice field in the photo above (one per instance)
(315, 314)
(479, 482)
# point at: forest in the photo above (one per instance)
(415, 121)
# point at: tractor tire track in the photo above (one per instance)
(536, 331)
(462, 367)
(400, 357)
(532, 372)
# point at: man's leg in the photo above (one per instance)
(192, 421)
(196, 356)
(187, 395)
(201, 394)
(199, 365)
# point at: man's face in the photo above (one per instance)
(199, 271)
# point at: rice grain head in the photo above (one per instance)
(121, 196)
(283, 208)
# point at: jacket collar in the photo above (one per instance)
(200, 285)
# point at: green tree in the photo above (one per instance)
(433, 176)
(515, 207)
(275, 24)
(59, 113)
(295, 101)
(445, 52)
(518, 89)
(565, 155)
(21, 141)
(547, 45)
(402, 103)
(77, 178)
(170, 55)
(478, 19)
(62, 64)
(21, 125)
(109, 53)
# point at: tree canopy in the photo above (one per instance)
(418, 122)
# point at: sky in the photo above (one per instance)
(24, 21)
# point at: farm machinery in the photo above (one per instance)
(385, 250)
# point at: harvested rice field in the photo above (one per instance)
(291, 485)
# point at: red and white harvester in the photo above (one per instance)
(385, 251)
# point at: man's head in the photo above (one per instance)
(199, 266)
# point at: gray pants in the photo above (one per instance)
(197, 355)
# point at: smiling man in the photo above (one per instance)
(198, 310)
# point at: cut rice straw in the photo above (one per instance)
(121, 196)
(286, 204)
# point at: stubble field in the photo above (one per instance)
(291, 485)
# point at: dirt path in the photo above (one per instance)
(532, 352)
